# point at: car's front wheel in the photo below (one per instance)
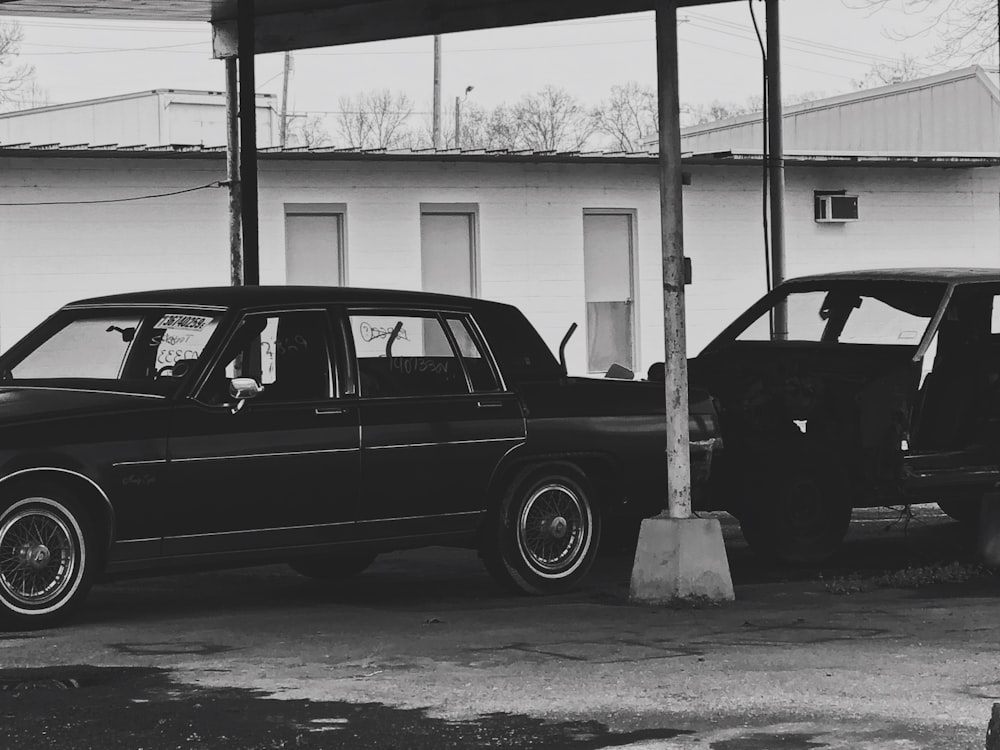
(543, 534)
(46, 557)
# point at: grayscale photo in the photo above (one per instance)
(499, 374)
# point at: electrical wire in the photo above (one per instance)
(216, 184)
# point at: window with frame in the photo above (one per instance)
(285, 352)
(414, 354)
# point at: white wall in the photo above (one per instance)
(530, 233)
(52, 254)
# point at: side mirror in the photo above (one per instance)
(243, 388)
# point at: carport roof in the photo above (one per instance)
(292, 24)
(500, 12)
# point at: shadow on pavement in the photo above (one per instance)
(128, 708)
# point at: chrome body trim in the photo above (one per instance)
(261, 455)
(518, 438)
(3, 387)
(414, 518)
(144, 306)
(147, 462)
(260, 531)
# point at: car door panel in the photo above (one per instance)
(425, 457)
(278, 470)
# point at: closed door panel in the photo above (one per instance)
(431, 457)
(281, 468)
(268, 476)
(435, 421)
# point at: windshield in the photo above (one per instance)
(885, 313)
(145, 351)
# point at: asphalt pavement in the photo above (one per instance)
(424, 651)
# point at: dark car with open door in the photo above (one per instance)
(883, 390)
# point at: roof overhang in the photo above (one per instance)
(649, 158)
(296, 24)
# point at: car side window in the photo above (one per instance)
(481, 374)
(405, 354)
(285, 352)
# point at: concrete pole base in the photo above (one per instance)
(680, 559)
(989, 529)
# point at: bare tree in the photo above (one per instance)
(882, 74)
(967, 29)
(700, 114)
(307, 130)
(17, 80)
(754, 105)
(629, 114)
(375, 119)
(492, 129)
(552, 120)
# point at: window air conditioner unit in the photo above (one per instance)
(836, 207)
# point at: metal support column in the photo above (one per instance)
(675, 363)
(248, 141)
(776, 163)
(233, 173)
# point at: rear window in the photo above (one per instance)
(520, 351)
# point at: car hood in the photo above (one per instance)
(19, 404)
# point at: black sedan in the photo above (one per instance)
(317, 426)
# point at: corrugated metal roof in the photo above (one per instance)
(718, 157)
(955, 112)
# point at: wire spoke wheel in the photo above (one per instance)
(38, 557)
(553, 528)
(542, 534)
(45, 565)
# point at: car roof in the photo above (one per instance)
(237, 297)
(944, 274)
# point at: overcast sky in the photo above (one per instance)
(826, 45)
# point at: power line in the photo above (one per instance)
(216, 184)
(79, 50)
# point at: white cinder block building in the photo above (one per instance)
(568, 238)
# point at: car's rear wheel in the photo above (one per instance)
(333, 567)
(795, 511)
(543, 534)
(46, 556)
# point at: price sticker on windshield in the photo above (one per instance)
(184, 322)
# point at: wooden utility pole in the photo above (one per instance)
(233, 174)
(436, 118)
(283, 128)
(672, 228)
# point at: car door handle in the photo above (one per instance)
(331, 410)
(489, 404)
